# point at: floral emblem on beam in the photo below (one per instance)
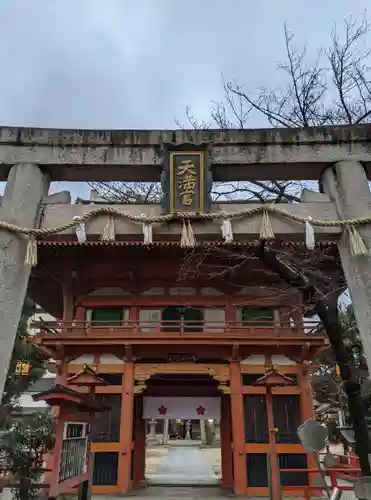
(162, 410)
(200, 410)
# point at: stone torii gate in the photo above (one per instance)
(339, 157)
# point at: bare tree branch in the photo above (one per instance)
(333, 86)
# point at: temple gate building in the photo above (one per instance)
(167, 305)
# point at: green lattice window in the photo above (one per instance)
(257, 316)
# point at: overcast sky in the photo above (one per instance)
(136, 64)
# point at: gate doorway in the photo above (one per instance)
(183, 445)
(183, 439)
(186, 430)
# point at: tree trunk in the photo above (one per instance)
(327, 310)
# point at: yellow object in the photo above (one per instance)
(337, 370)
(25, 370)
(22, 368)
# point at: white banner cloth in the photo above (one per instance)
(181, 408)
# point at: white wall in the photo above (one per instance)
(26, 401)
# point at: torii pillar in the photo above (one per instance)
(25, 188)
(347, 186)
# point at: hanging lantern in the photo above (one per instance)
(22, 368)
(25, 368)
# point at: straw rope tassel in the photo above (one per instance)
(184, 235)
(109, 230)
(108, 233)
(187, 237)
(357, 245)
(31, 252)
(191, 235)
(266, 231)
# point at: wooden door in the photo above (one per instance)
(106, 425)
(171, 317)
(271, 422)
(257, 316)
(107, 316)
(192, 319)
(288, 451)
(257, 440)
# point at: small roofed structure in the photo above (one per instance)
(86, 377)
(63, 396)
(71, 458)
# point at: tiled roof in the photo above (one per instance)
(41, 385)
(24, 410)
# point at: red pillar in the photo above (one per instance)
(276, 494)
(238, 429)
(225, 443)
(140, 443)
(80, 317)
(68, 298)
(126, 429)
(55, 456)
(306, 409)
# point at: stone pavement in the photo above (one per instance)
(181, 492)
(183, 465)
(184, 471)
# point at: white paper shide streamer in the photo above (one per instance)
(147, 232)
(227, 231)
(80, 230)
(310, 240)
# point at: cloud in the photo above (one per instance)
(138, 63)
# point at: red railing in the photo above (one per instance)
(334, 474)
(261, 329)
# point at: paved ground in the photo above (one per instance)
(183, 465)
(180, 493)
(182, 473)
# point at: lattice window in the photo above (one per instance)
(74, 450)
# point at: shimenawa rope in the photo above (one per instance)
(357, 245)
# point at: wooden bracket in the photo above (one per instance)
(140, 387)
(224, 388)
